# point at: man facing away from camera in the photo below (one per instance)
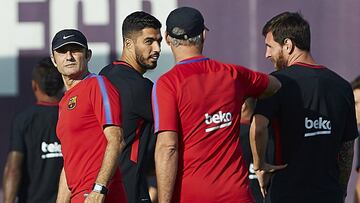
(34, 162)
(197, 108)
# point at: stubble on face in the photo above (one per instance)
(147, 48)
(280, 62)
(274, 52)
(142, 61)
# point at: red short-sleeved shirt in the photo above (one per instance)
(84, 110)
(201, 100)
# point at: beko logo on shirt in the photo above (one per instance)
(321, 125)
(51, 150)
(220, 118)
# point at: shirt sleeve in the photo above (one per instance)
(351, 130)
(106, 102)
(254, 83)
(269, 106)
(164, 106)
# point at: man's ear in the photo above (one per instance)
(53, 60)
(88, 55)
(34, 85)
(167, 40)
(204, 35)
(289, 46)
(128, 43)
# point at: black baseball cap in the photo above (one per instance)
(68, 36)
(186, 18)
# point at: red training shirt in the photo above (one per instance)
(201, 100)
(84, 111)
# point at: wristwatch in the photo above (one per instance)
(99, 188)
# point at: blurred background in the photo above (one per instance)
(27, 27)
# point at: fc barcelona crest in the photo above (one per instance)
(72, 103)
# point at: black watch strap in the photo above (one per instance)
(99, 188)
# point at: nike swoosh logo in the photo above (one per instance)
(65, 37)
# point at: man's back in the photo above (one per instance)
(34, 135)
(312, 115)
(206, 97)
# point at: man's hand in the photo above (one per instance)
(95, 197)
(264, 175)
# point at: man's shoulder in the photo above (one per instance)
(92, 81)
(226, 65)
(87, 86)
(170, 78)
(180, 72)
(111, 68)
(287, 75)
(27, 112)
(120, 72)
(25, 116)
(320, 72)
(95, 80)
(336, 77)
(172, 73)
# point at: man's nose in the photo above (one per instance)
(157, 47)
(267, 54)
(69, 55)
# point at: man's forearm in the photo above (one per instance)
(12, 176)
(64, 193)
(345, 162)
(114, 147)
(258, 140)
(166, 164)
(11, 185)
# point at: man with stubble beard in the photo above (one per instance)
(312, 115)
(141, 49)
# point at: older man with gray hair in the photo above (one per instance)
(196, 108)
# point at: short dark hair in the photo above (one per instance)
(137, 21)
(355, 84)
(46, 75)
(292, 26)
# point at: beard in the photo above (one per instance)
(280, 62)
(142, 61)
